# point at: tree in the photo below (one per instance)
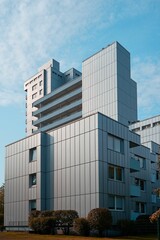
(2, 199)
(100, 219)
(2, 204)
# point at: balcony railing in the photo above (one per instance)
(153, 177)
(153, 198)
(135, 191)
(134, 215)
(134, 165)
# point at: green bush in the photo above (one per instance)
(65, 216)
(35, 213)
(144, 226)
(100, 219)
(46, 221)
(1, 219)
(46, 213)
(44, 225)
(64, 219)
(127, 227)
(47, 225)
(35, 224)
(81, 226)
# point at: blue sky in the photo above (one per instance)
(33, 32)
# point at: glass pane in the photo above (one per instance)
(119, 174)
(117, 145)
(111, 172)
(142, 208)
(111, 202)
(110, 142)
(121, 146)
(33, 154)
(137, 207)
(119, 203)
(142, 185)
(32, 205)
(34, 179)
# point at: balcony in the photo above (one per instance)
(153, 177)
(53, 105)
(153, 198)
(135, 191)
(59, 114)
(134, 215)
(134, 165)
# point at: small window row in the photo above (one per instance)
(35, 94)
(146, 126)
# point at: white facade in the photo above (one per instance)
(149, 129)
(79, 153)
(107, 86)
(41, 84)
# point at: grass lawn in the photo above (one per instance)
(22, 235)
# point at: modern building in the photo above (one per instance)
(79, 152)
(48, 79)
(149, 129)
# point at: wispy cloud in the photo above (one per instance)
(34, 31)
(147, 74)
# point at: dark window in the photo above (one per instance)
(141, 183)
(115, 173)
(32, 205)
(116, 202)
(115, 143)
(32, 154)
(32, 180)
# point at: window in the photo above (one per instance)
(141, 160)
(142, 163)
(34, 87)
(115, 173)
(116, 202)
(146, 126)
(32, 154)
(140, 207)
(40, 92)
(39, 75)
(156, 124)
(34, 95)
(115, 144)
(141, 183)
(32, 205)
(32, 180)
(40, 83)
(136, 129)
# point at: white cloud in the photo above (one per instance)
(34, 31)
(9, 96)
(146, 73)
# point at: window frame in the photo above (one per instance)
(141, 160)
(115, 203)
(112, 143)
(34, 87)
(114, 171)
(32, 178)
(32, 202)
(32, 154)
(141, 183)
(139, 206)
